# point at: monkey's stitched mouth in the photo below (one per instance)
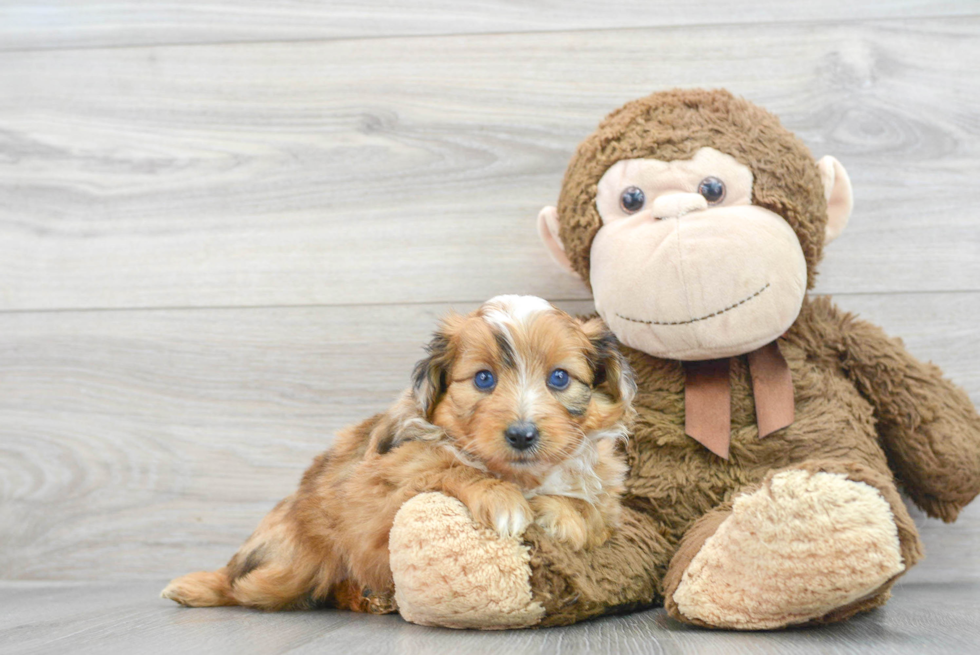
(699, 318)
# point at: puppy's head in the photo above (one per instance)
(520, 386)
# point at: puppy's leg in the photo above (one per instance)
(276, 568)
(576, 522)
(350, 595)
(496, 504)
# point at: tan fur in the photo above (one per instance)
(330, 538)
(576, 522)
(471, 577)
(839, 529)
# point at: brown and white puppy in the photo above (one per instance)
(518, 411)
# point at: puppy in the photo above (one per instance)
(518, 411)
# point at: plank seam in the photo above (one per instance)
(413, 303)
(884, 19)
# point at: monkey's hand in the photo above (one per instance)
(937, 460)
(928, 426)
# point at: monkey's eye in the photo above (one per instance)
(632, 200)
(559, 379)
(484, 380)
(712, 189)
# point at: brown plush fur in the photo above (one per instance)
(864, 407)
(328, 542)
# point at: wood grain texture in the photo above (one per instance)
(140, 444)
(922, 617)
(66, 23)
(314, 197)
(411, 170)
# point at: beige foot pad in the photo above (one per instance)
(454, 573)
(805, 544)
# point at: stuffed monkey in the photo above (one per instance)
(774, 430)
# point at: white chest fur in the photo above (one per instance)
(589, 473)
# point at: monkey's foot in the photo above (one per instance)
(796, 550)
(451, 572)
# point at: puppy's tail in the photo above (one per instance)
(201, 589)
(265, 576)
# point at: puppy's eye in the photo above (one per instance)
(559, 379)
(632, 200)
(484, 380)
(712, 189)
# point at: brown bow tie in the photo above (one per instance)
(707, 397)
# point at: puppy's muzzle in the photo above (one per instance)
(521, 435)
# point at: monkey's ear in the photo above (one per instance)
(837, 191)
(612, 371)
(430, 380)
(548, 231)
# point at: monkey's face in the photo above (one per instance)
(685, 266)
(695, 216)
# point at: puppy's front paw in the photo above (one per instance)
(502, 508)
(571, 521)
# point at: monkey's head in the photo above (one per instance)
(698, 221)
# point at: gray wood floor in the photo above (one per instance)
(226, 229)
(923, 617)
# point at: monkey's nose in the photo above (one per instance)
(521, 435)
(675, 205)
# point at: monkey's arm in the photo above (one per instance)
(928, 426)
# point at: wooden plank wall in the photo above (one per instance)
(226, 229)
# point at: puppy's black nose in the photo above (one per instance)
(522, 435)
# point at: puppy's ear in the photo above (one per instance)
(611, 370)
(431, 376)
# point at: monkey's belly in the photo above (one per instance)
(678, 480)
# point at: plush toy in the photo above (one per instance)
(774, 430)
